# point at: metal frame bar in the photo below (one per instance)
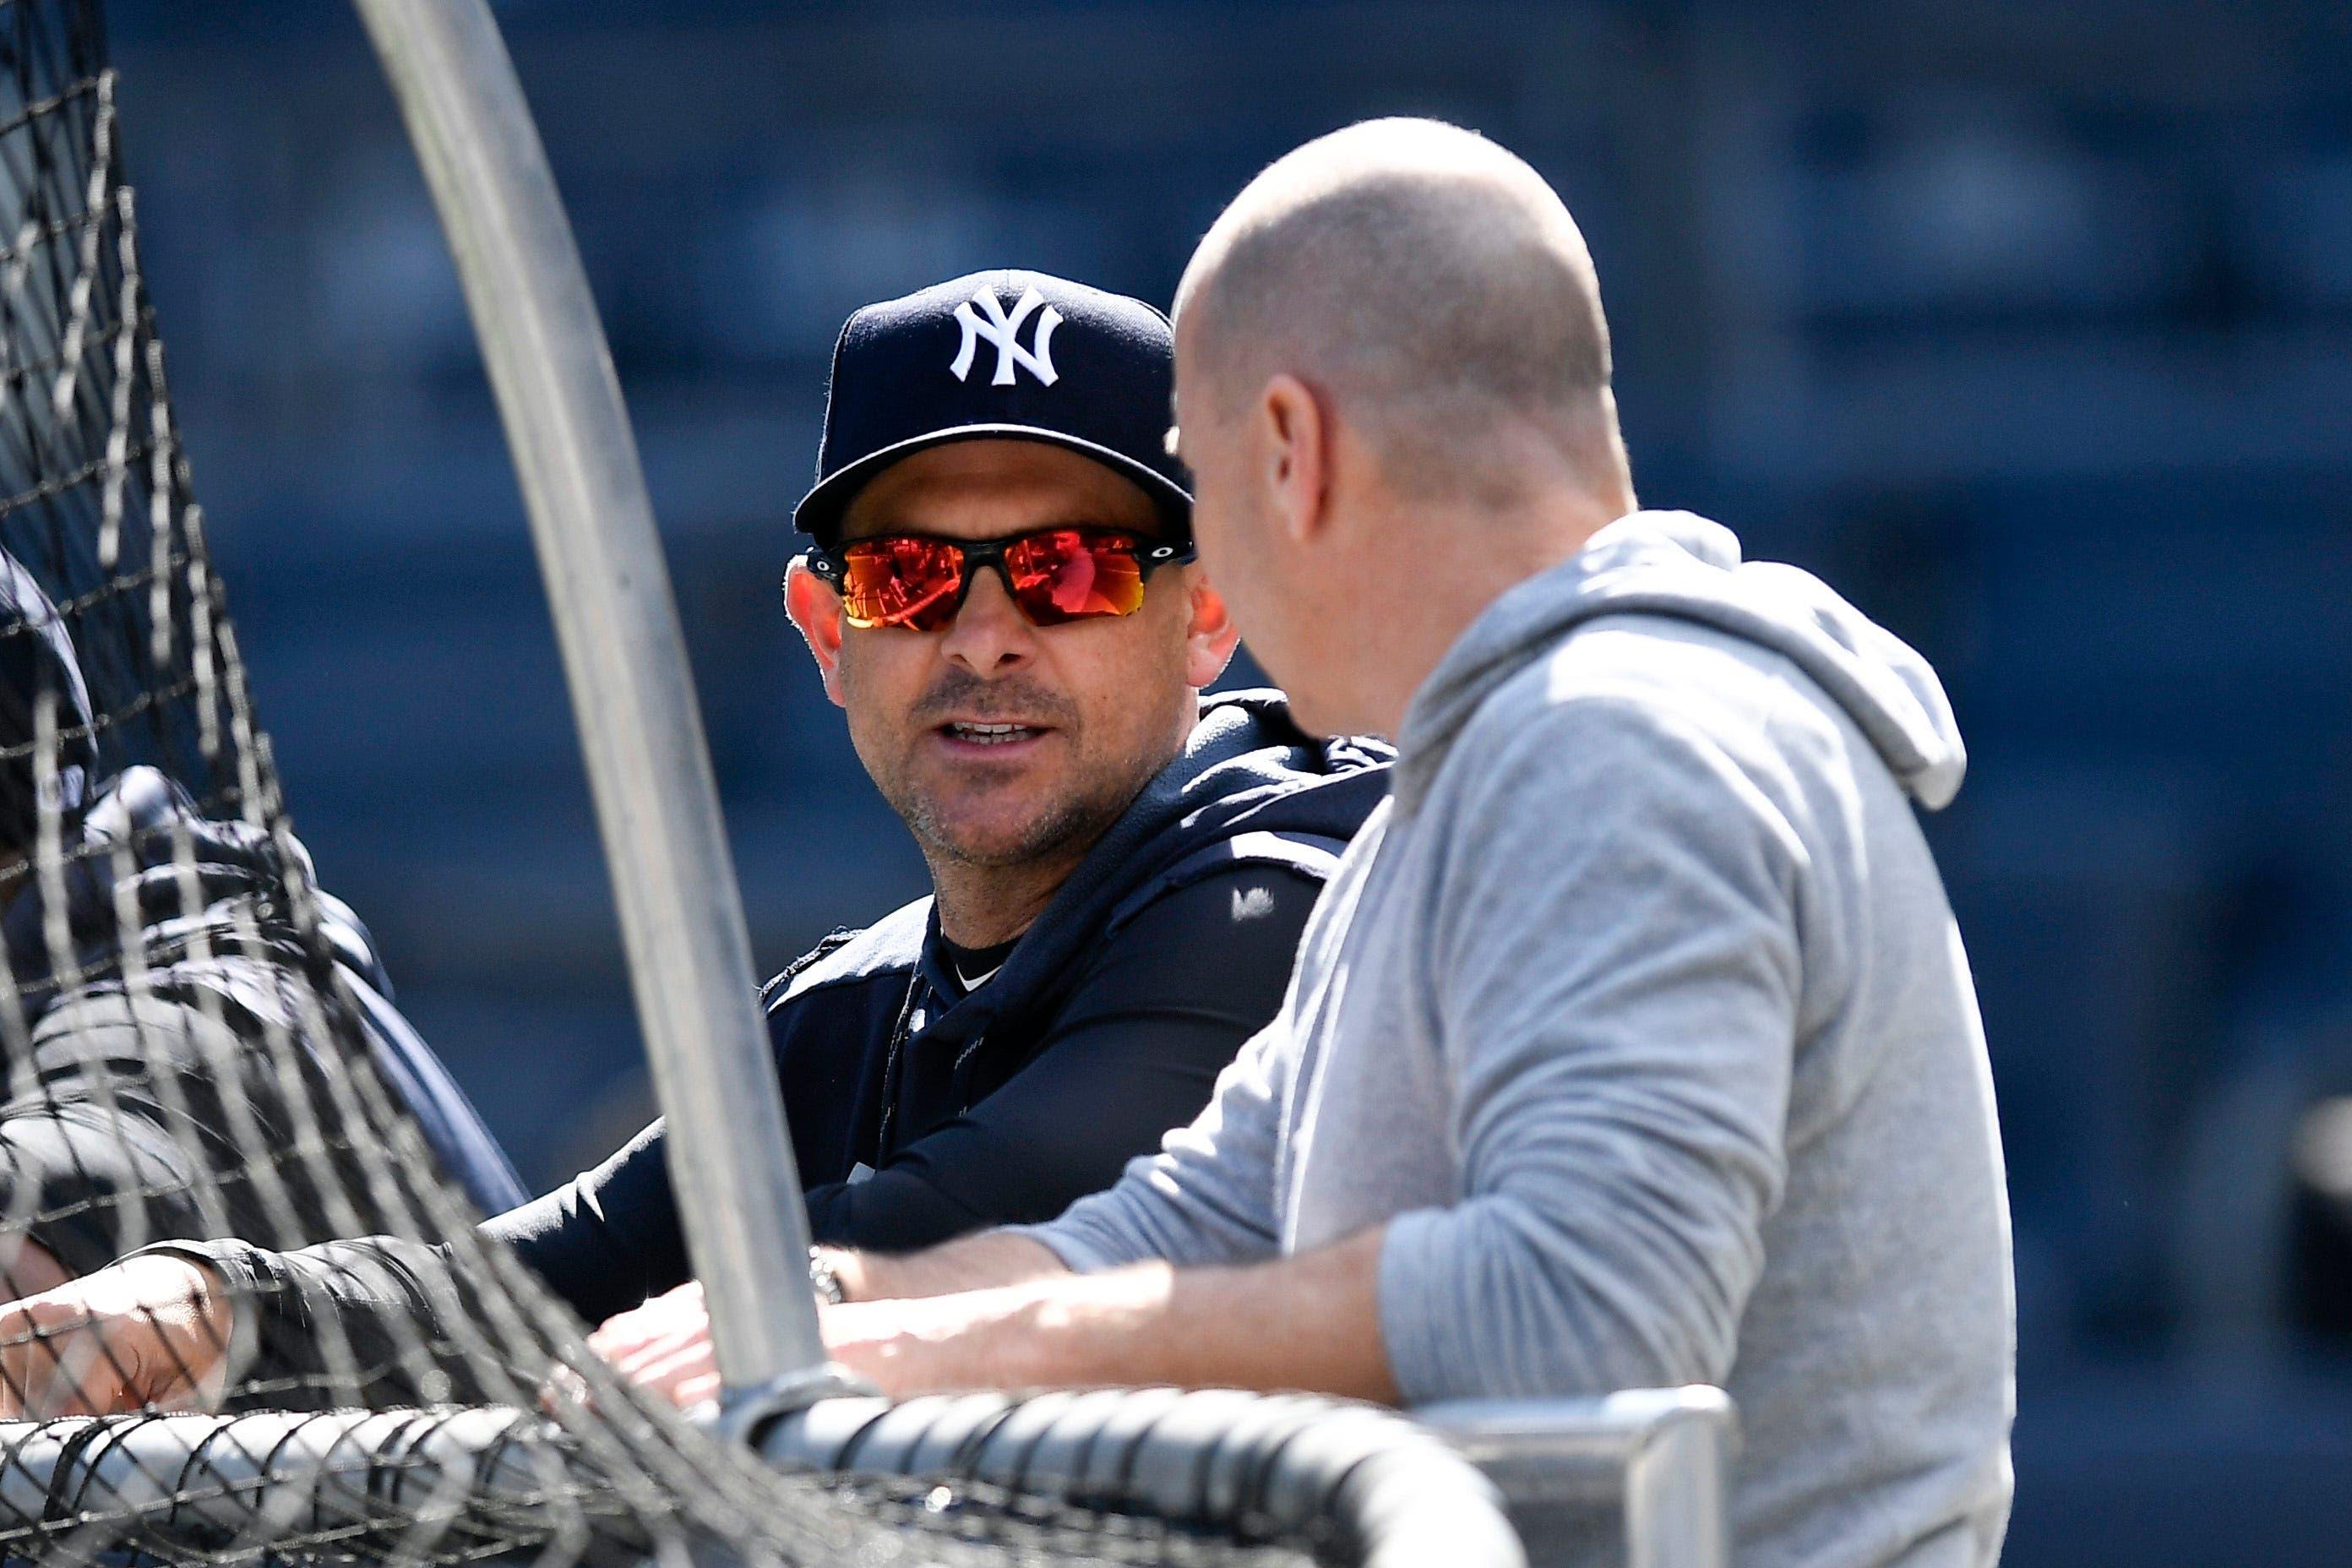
(1664, 1453)
(632, 692)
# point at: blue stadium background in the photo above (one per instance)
(2031, 326)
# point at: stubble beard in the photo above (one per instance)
(1082, 810)
(1065, 831)
(1083, 806)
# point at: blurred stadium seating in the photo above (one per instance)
(2030, 325)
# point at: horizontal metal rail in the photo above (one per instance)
(1654, 1463)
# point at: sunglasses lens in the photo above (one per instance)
(1061, 575)
(901, 582)
(1070, 573)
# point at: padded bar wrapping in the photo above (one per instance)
(415, 1478)
(1386, 1492)
(1291, 1468)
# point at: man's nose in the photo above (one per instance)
(990, 636)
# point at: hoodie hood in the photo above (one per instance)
(1678, 565)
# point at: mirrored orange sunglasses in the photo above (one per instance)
(918, 580)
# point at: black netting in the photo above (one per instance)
(198, 1046)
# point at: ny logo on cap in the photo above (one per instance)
(1004, 332)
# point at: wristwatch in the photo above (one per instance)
(823, 1280)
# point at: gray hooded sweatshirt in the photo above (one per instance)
(1639, 1016)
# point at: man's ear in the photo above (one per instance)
(815, 611)
(1296, 452)
(1211, 637)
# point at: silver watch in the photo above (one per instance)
(823, 1280)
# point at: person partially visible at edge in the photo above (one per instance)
(116, 1129)
(1004, 603)
(1634, 1043)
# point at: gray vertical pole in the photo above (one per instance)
(689, 959)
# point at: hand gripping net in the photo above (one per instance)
(185, 1021)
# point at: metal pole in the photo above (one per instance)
(689, 959)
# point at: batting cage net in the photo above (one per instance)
(206, 1070)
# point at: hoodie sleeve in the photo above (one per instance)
(1615, 961)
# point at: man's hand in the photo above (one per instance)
(938, 1344)
(664, 1346)
(151, 1331)
(1308, 1321)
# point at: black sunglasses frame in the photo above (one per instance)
(830, 563)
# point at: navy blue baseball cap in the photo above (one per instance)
(1006, 355)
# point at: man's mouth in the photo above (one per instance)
(991, 734)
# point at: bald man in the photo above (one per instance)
(1633, 1043)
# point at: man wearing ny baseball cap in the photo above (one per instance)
(1002, 598)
